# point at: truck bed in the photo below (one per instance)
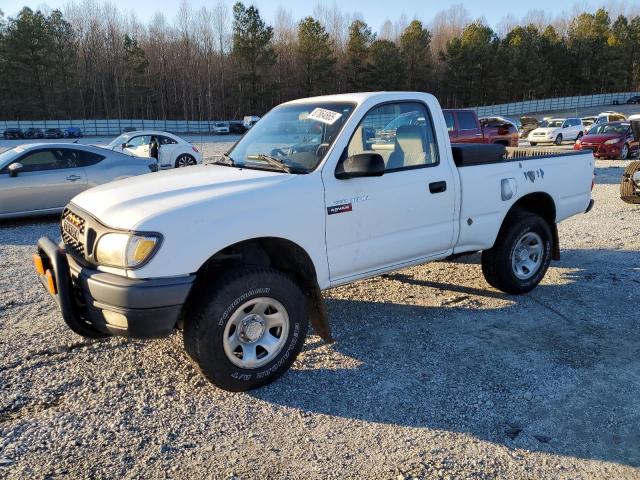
(493, 177)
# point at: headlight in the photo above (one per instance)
(124, 250)
(613, 141)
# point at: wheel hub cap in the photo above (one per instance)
(527, 256)
(252, 328)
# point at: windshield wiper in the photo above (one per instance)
(226, 160)
(273, 161)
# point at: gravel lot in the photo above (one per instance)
(433, 374)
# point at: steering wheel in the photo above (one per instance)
(278, 152)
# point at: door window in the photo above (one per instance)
(162, 140)
(467, 121)
(402, 134)
(45, 160)
(139, 141)
(86, 159)
(448, 118)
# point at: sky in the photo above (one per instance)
(374, 12)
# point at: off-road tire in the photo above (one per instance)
(497, 261)
(213, 305)
(627, 186)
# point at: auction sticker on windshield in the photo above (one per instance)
(325, 116)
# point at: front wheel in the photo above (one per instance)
(558, 140)
(624, 152)
(533, 144)
(185, 160)
(629, 192)
(246, 328)
(521, 255)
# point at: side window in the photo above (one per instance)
(448, 118)
(86, 159)
(401, 147)
(166, 140)
(467, 121)
(139, 140)
(42, 160)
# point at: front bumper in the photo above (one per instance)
(141, 308)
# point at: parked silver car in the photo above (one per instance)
(41, 178)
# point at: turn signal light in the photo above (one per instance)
(39, 264)
(51, 283)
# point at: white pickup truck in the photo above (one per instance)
(317, 194)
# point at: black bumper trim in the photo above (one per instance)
(591, 204)
(151, 306)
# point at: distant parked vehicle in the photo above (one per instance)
(33, 133)
(250, 120)
(129, 129)
(608, 117)
(53, 133)
(634, 99)
(465, 127)
(499, 130)
(588, 122)
(221, 128)
(13, 134)
(173, 151)
(41, 178)
(527, 125)
(237, 127)
(72, 132)
(609, 140)
(556, 131)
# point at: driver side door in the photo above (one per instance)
(48, 180)
(138, 146)
(378, 223)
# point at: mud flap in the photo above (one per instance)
(318, 315)
(555, 253)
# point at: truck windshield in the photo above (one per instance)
(297, 136)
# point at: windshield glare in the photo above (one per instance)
(8, 156)
(554, 123)
(299, 136)
(610, 129)
(118, 141)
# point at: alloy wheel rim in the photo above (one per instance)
(256, 333)
(527, 254)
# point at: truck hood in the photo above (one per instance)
(126, 203)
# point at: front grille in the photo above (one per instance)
(74, 245)
(593, 148)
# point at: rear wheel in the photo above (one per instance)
(521, 255)
(533, 144)
(185, 160)
(558, 140)
(246, 328)
(628, 189)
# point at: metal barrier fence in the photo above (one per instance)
(115, 127)
(555, 104)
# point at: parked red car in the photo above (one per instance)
(609, 140)
(465, 127)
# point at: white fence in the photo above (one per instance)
(114, 127)
(555, 104)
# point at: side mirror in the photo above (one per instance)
(124, 145)
(14, 169)
(367, 164)
(635, 128)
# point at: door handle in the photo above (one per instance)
(73, 178)
(438, 187)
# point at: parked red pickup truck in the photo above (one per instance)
(465, 127)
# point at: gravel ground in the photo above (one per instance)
(434, 374)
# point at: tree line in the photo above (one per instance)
(92, 61)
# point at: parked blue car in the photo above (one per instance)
(72, 132)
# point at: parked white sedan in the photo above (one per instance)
(557, 130)
(173, 151)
